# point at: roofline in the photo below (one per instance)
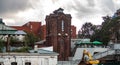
(29, 54)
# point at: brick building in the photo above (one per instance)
(40, 30)
(73, 32)
(30, 27)
(58, 33)
(43, 32)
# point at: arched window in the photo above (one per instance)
(27, 63)
(62, 25)
(14, 63)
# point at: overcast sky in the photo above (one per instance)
(19, 12)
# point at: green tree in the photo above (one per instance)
(23, 49)
(115, 28)
(14, 40)
(110, 28)
(30, 39)
(87, 30)
(103, 34)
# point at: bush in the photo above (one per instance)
(23, 49)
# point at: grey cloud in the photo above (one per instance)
(92, 7)
(54, 1)
(13, 6)
(91, 3)
(83, 10)
(110, 4)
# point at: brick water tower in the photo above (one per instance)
(58, 33)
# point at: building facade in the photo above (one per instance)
(28, 58)
(43, 32)
(73, 32)
(58, 33)
(30, 27)
(39, 30)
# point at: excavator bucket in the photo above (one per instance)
(93, 62)
(90, 61)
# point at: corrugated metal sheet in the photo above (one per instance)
(4, 27)
(5, 32)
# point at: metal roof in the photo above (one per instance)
(4, 27)
(97, 42)
(83, 43)
(5, 32)
(45, 51)
(94, 42)
(41, 51)
(40, 42)
(28, 54)
(20, 32)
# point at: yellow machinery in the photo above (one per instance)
(91, 60)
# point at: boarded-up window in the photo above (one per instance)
(14, 63)
(27, 63)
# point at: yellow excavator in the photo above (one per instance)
(90, 60)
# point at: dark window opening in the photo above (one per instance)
(27, 63)
(1, 63)
(14, 63)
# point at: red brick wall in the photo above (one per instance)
(30, 27)
(34, 27)
(61, 43)
(73, 32)
(43, 32)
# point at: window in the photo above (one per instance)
(62, 25)
(27, 63)
(14, 63)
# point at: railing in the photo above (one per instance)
(103, 54)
